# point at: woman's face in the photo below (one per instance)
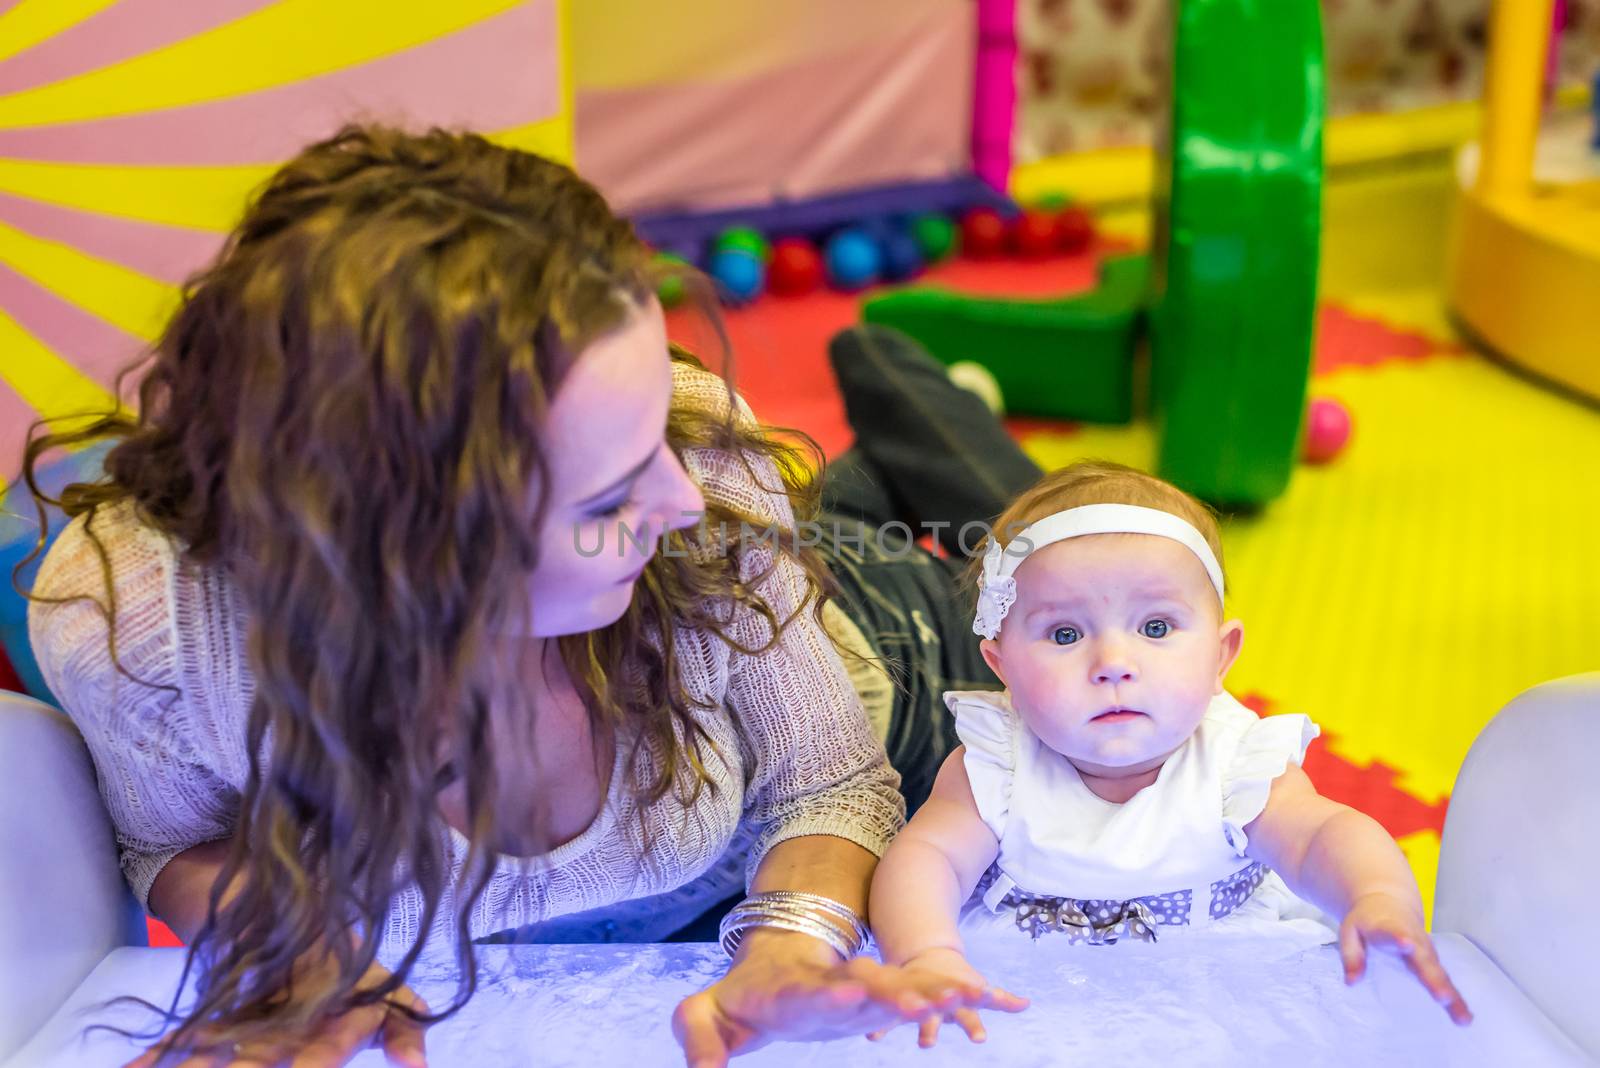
(615, 485)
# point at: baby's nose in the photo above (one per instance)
(1113, 667)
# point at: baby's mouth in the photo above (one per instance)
(1117, 715)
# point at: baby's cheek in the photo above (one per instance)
(1194, 699)
(1042, 680)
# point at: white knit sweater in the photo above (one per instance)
(800, 756)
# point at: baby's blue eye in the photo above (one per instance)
(1156, 628)
(1066, 635)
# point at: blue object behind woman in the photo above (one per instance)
(19, 533)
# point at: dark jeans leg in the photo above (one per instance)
(926, 452)
(852, 487)
(930, 450)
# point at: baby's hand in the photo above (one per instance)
(1383, 921)
(956, 991)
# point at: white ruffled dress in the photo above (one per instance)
(1170, 860)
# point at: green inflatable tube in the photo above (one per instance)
(1238, 214)
(1231, 300)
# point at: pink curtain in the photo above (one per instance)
(873, 100)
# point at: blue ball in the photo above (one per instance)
(853, 259)
(740, 276)
(902, 257)
(878, 227)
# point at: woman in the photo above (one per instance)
(396, 622)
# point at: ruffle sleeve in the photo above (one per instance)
(1265, 750)
(987, 726)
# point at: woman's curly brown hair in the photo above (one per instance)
(344, 415)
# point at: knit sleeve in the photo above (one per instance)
(814, 765)
(154, 753)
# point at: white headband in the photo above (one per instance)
(997, 589)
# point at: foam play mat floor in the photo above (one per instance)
(1400, 595)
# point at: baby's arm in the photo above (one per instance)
(929, 871)
(1346, 863)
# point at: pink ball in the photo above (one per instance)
(1327, 429)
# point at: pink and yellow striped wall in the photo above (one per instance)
(132, 132)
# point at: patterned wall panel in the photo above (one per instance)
(1090, 71)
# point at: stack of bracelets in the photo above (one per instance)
(793, 910)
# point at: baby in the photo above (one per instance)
(1114, 790)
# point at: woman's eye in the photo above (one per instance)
(611, 511)
(1156, 628)
(1065, 635)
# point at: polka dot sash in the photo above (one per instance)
(1103, 922)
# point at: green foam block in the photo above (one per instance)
(1067, 358)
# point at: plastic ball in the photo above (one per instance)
(1328, 427)
(878, 227)
(853, 259)
(739, 274)
(687, 249)
(1074, 230)
(902, 257)
(796, 267)
(983, 233)
(745, 239)
(670, 289)
(1036, 234)
(976, 378)
(935, 236)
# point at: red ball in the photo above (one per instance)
(983, 233)
(1327, 429)
(1036, 234)
(1075, 230)
(796, 267)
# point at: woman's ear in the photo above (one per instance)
(990, 648)
(1230, 639)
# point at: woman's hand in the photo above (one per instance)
(335, 1042)
(786, 986)
(1382, 921)
(945, 978)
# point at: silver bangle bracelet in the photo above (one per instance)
(794, 910)
(734, 935)
(799, 902)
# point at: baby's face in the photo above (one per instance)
(1113, 649)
